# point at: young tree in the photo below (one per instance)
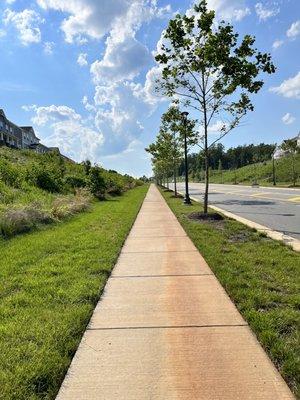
(168, 147)
(172, 131)
(206, 68)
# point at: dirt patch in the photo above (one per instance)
(239, 237)
(213, 219)
(210, 217)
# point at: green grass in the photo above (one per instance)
(262, 172)
(261, 276)
(50, 283)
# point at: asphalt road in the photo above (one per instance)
(275, 208)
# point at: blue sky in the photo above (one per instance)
(82, 73)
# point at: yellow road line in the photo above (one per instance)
(258, 195)
(295, 199)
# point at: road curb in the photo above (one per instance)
(287, 240)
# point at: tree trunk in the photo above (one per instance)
(206, 155)
(206, 180)
(206, 150)
(167, 182)
(175, 182)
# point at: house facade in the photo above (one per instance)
(19, 137)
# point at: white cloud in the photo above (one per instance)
(122, 60)
(294, 30)
(48, 48)
(265, 13)
(119, 112)
(27, 24)
(94, 18)
(68, 131)
(277, 44)
(2, 33)
(82, 59)
(216, 127)
(148, 93)
(288, 119)
(88, 106)
(230, 10)
(289, 88)
(119, 104)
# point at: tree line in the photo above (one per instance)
(233, 158)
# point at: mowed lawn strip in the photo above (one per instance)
(261, 276)
(50, 283)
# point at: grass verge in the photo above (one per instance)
(50, 283)
(260, 275)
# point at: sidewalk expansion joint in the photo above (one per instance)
(167, 327)
(156, 236)
(158, 276)
(163, 251)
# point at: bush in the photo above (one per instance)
(74, 181)
(114, 184)
(96, 183)
(46, 177)
(9, 174)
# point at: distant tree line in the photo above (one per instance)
(234, 157)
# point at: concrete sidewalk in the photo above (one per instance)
(165, 329)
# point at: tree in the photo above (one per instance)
(168, 147)
(87, 165)
(207, 69)
(291, 147)
(96, 182)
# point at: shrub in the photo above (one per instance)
(97, 183)
(9, 174)
(46, 177)
(114, 184)
(74, 181)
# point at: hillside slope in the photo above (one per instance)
(262, 173)
(43, 188)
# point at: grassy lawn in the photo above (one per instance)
(50, 282)
(261, 276)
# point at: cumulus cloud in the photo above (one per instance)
(277, 44)
(118, 116)
(230, 10)
(82, 59)
(94, 18)
(68, 131)
(122, 60)
(288, 119)
(27, 23)
(264, 12)
(294, 30)
(120, 103)
(289, 88)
